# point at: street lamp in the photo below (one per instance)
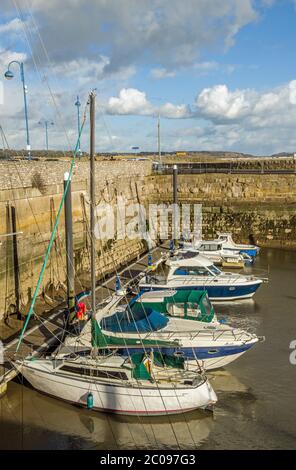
(46, 123)
(9, 75)
(78, 104)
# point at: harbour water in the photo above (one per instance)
(256, 406)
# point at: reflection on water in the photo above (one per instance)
(53, 424)
(256, 394)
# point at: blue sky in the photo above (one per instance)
(220, 74)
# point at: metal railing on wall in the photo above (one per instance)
(226, 168)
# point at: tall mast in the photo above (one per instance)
(92, 204)
(158, 139)
(69, 247)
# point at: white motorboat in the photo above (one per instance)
(226, 239)
(198, 273)
(215, 252)
(183, 322)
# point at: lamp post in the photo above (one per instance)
(78, 104)
(9, 75)
(46, 124)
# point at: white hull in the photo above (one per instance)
(120, 399)
(215, 362)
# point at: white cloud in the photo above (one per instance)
(204, 67)
(168, 33)
(130, 101)
(174, 111)
(134, 102)
(12, 26)
(84, 70)
(161, 73)
(219, 103)
(243, 120)
(7, 56)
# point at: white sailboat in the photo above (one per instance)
(121, 385)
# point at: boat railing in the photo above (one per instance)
(215, 335)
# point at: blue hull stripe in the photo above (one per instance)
(192, 353)
(250, 251)
(217, 292)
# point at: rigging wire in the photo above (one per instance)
(52, 236)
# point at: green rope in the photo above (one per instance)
(50, 241)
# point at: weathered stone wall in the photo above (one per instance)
(20, 174)
(36, 210)
(262, 206)
(259, 205)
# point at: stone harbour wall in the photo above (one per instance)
(31, 202)
(261, 206)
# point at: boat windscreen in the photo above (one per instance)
(214, 269)
(138, 319)
(207, 305)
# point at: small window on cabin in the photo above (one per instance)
(192, 271)
(193, 310)
(214, 269)
(199, 271)
(181, 272)
(102, 374)
(176, 310)
(207, 305)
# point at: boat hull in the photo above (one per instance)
(120, 399)
(215, 292)
(253, 252)
(209, 358)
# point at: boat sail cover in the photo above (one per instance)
(187, 300)
(138, 319)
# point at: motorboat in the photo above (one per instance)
(199, 273)
(229, 244)
(169, 322)
(219, 255)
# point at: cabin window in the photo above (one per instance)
(192, 271)
(193, 310)
(102, 374)
(214, 269)
(176, 310)
(207, 305)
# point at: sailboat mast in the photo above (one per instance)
(158, 139)
(92, 204)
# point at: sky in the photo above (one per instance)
(220, 74)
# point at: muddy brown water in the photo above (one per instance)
(256, 394)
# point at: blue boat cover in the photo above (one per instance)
(136, 320)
